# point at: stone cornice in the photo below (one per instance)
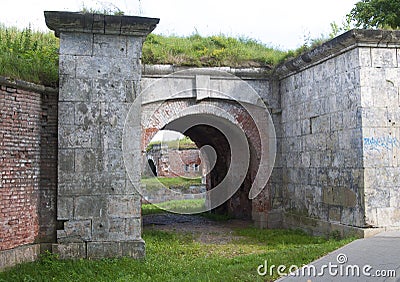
(99, 23)
(158, 71)
(349, 40)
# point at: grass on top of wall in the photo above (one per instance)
(33, 56)
(211, 51)
(29, 55)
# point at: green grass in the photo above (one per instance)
(181, 206)
(217, 50)
(177, 257)
(184, 206)
(33, 56)
(170, 182)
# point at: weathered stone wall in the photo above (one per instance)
(322, 144)
(380, 113)
(99, 74)
(340, 146)
(28, 138)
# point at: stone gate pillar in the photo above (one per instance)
(99, 75)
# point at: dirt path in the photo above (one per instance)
(205, 230)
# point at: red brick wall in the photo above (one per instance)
(24, 117)
(179, 158)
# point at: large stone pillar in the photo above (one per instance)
(99, 75)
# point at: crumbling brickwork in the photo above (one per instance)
(20, 165)
(28, 148)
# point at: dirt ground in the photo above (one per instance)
(205, 230)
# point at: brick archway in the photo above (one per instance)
(216, 97)
(194, 116)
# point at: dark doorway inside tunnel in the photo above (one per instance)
(152, 167)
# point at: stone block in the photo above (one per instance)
(79, 44)
(377, 197)
(75, 136)
(114, 114)
(364, 55)
(106, 68)
(395, 197)
(335, 213)
(67, 67)
(372, 77)
(339, 196)
(134, 47)
(66, 113)
(133, 249)
(320, 124)
(75, 231)
(393, 76)
(88, 207)
(7, 259)
(126, 206)
(87, 160)
(133, 228)
(105, 45)
(106, 183)
(389, 216)
(70, 250)
(113, 161)
(352, 119)
(74, 90)
(383, 57)
(107, 90)
(66, 161)
(109, 229)
(21, 254)
(97, 250)
(75, 184)
(87, 114)
(65, 208)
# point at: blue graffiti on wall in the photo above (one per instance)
(381, 143)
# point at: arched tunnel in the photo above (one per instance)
(230, 153)
(229, 123)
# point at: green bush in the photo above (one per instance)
(29, 55)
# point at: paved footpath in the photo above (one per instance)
(376, 256)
